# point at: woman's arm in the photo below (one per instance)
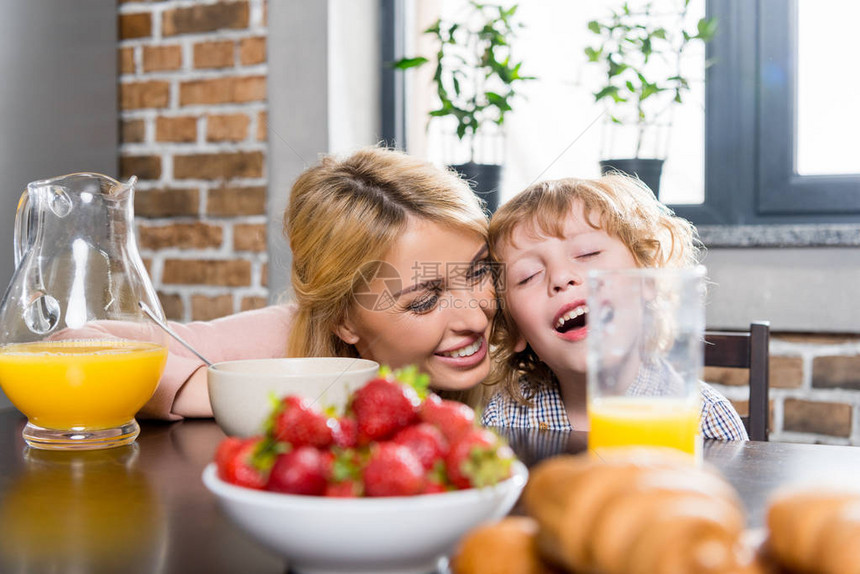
(192, 399)
(183, 390)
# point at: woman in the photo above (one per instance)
(390, 263)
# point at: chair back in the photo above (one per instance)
(746, 350)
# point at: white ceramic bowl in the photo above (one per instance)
(364, 535)
(240, 391)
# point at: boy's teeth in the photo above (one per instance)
(464, 351)
(572, 314)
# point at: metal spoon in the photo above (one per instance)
(169, 331)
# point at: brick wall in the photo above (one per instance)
(814, 388)
(193, 107)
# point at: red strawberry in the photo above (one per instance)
(383, 407)
(226, 450)
(242, 464)
(478, 458)
(343, 471)
(298, 423)
(436, 479)
(300, 471)
(452, 418)
(345, 434)
(425, 441)
(434, 487)
(345, 489)
(393, 471)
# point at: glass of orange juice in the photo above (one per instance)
(645, 356)
(77, 354)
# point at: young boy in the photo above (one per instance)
(548, 237)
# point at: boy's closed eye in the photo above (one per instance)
(523, 277)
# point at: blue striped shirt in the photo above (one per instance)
(719, 419)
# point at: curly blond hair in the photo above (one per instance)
(624, 207)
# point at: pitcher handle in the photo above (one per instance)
(22, 227)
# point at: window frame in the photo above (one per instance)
(750, 125)
(782, 189)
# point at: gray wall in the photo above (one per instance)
(807, 290)
(58, 94)
(324, 83)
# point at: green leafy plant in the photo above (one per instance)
(476, 76)
(641, 51)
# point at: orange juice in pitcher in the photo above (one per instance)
(80, 384)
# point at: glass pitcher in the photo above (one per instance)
(77, 354)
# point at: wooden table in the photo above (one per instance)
(143, 508)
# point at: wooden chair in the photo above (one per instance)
(746, 350)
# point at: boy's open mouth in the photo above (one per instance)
(576, 318)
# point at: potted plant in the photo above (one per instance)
(641, 52)
(476, 80)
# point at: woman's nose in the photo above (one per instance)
(470, 310)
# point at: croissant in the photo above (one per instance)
(637, 512)
(507, 546)
(815, 532)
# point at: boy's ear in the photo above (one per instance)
(520, 345)
(346, 331)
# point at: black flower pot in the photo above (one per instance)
(648, 170)
(484, 179)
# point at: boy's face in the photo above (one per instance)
(545, 289)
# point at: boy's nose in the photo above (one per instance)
(564, 279)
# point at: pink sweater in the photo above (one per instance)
(257, 334)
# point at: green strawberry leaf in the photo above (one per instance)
(346, 465)
(331, 412)
(276, 406)
(414, 378)
(266, 452)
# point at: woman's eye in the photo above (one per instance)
(479, 270)
(588, 255)
(424, 304)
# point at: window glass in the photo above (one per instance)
(828, 84)
(556, 128)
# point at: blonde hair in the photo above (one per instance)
(343, 217)
(624, 207)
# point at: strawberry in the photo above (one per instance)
(345, 434)
(343, 471)
(246, 464)
(452, 418)
(478, 458)
(226, 450)
(425, 441)
(345, 489)
(434, 487)
(382, 407)
(436, 479)
(300, 471)
(296, 422)
(393, 471)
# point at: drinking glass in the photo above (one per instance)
(645, 357)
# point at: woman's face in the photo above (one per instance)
(429, 303)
